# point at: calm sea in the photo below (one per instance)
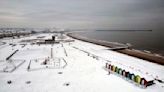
(142, 40)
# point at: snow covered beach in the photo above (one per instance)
(129, 51)
(82, 73)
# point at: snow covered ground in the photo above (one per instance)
(82, 73)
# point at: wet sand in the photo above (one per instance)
(129, 51)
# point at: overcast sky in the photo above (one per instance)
(92, 14)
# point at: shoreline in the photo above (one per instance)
(131, 52)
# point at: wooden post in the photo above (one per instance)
(28, 68)
(51, 52)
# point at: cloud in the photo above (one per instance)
(112, 14)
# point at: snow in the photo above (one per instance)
(131, 62)
(82, 73)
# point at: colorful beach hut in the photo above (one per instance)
(129, 75)
(113, 68)
(126, 74)
(132, 77)
(143, 82)
(146, 83)
(116, 68)
(138, 79)
(120, 71)
(123, 73)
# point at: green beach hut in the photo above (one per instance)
(138, 79)
(117, 71)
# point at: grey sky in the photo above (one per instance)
(92, 14)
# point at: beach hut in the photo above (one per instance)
(129, 75)
(113, 68)
(126, 74)
(120, 71)
(123, 73)
(109, 66)
(116, 68)
(138, 79)
(146, 83)
(117, 71)
(132, 77)
(143, 82)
